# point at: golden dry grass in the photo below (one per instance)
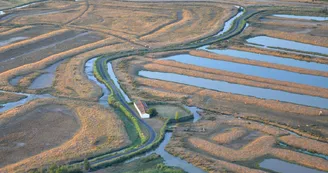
(145, 19)
(206, 163)
(229, 135)
(308, 144)
(163, 93)
(187, 16)
(96, 122)
(57, 15)
(27, 80)
(260, 147)
(257, 148)
(198, 21)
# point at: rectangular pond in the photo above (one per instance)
(285, 167)
(287, 44)
(317, 18)
(262, 93)
(268, 58)
(252, 70)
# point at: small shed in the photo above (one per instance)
(142, 108)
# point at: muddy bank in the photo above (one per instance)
(38, 130)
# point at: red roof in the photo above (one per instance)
(142, 106)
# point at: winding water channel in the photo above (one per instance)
(88, 69)
(29, 97)
(169, 159)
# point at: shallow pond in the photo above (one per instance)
(287, 44)
(114, 79)
(88, 69)
(269, 58)
(11, 40)
(285, 167)
(301, 17)
(45, 79)
(14, 81)
(252, 70)
(239, 89)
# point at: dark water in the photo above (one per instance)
(262, 93)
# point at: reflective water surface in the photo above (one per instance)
(263, 93)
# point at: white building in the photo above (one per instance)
(142, 108)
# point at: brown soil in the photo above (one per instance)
(38, 130)
(96, 123)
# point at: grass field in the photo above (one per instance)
(169, 111)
